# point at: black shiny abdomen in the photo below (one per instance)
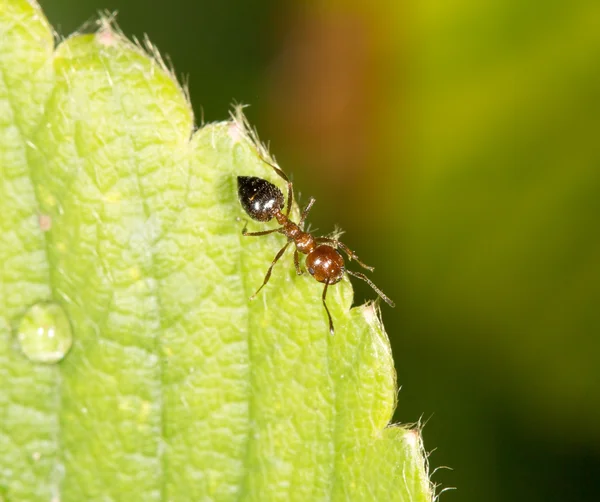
(259, 198)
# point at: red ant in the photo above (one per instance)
(263, 201)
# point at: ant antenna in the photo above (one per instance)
(275, 168)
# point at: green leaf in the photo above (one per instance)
(177, 387)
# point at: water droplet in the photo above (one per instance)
(44, 333)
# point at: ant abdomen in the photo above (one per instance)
(259, 198)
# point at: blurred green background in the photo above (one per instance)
(458, 144)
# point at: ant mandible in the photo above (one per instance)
(263, 201)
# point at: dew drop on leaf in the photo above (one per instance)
(44, 333)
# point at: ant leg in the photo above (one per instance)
(268, 276)
(377, 290)
(305, 211)
(297, 262)
(347, 250)
(331, 330)
(290, 197)
(257, 234)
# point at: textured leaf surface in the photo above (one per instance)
(177, 387)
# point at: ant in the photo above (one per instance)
(263, 201)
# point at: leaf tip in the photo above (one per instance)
(371, 313)
(241, 130)
(104, 28)
(106, 36)
(236, 131)
(413, 439)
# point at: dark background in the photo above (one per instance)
(458, 145)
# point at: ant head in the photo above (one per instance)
(259, 198)
(325, 264)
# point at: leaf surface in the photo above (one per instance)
(177, 387)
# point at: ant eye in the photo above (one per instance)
(311, 271)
